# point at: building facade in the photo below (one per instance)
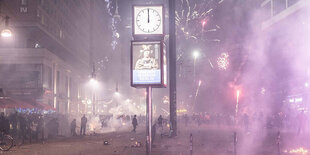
(47, 58)
(286, 28)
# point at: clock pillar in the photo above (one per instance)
(172, 69)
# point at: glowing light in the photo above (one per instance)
(199, 82)
(94, 83)
(237, 104)
(223, 61)
(299, 150)
(117, 94)
(181, 110)
(6, 33)
(204, 22)
(263, 91)
(196, 54)
(298, 99)
(238, 94)
(306, 84)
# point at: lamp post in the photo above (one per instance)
(94, 85)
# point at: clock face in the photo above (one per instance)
(148, 20)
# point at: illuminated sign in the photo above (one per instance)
(148, 64)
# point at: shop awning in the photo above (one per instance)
(7, 102)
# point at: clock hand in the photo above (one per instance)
(148, 15)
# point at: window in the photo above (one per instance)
(24, 2)
(60, 34)
(278, 6)
(292, 2)
(58, 80)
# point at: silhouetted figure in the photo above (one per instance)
(186, 119)
(73, 127)
(160, 121)
(83, 125)
(22, 127)
(4, 124)
(301, 122)
(14, 120)
(40, 128)
(246, 121)
(134, 123)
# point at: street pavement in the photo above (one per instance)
(207, 140)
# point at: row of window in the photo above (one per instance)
(56, 22)
(274, 7)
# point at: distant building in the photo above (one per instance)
(47, 57)
(286, 27)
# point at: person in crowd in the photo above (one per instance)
(4, 124)
(22, 127)
(40, 128)
(83, 125)
(160, 121)
(134, 123)
(14, 120)
(186, 119)
(301, 122)
(73, 127)
(245, 118)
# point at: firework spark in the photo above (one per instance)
(115, 20)
(197, 91)
(223, 61)
(192, 18)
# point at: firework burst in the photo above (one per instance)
(115, 20)
(223, 61)
(193, 17)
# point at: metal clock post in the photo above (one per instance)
(148, 61)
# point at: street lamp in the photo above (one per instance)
(195, 55)
(6, 32)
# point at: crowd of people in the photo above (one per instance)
(34, 127)
(38, 127)
(280, 120)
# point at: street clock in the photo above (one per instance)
(148, 20)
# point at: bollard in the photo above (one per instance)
(278, 142)
(235, 143)
(191, 144)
